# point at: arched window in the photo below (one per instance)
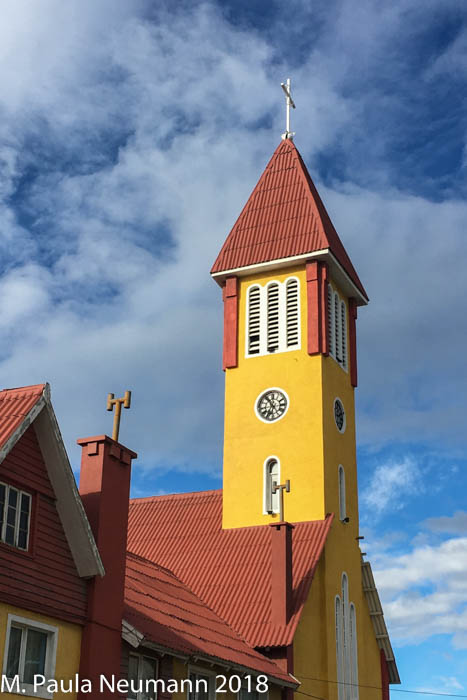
(273, 317)
(337, 327)
(343, 336)
(292, 311)
(342, 500)
(353, 653)
(254, 320)
(271, 476)
(346, 634)
(339, 650)
(331, 325)
(346, 644)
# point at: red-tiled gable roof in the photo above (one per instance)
(15, 404)
(230, 570)
(169, 614)
(283, 217)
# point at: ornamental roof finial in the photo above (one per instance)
(289, 103)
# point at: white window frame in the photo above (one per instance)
(260, 696)
(263, 323)
(8, 488)
(342, 493)
(339, 648)
(346, 644)
(250, 289)
(346, 635)
(140, 658)
(337, 331)
(50, 656)
(275, 501)
(353, 652)
(211, 675)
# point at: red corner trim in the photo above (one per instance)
(353, 341)
(230, 297)
(384, 676)
(323, 288)
(313, 307)
(317, 315)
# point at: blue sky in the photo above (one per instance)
(131, 134)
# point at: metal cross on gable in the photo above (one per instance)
(289, 103)
(111, 402)
(281, 488)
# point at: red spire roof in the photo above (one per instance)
(284, 217)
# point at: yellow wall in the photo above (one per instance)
(68, 645)
(315, 640)
(305, 440)
(310, 449)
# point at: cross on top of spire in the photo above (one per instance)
(289, 103)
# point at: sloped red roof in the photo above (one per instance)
(283, 217)
(168, 613)
(230, 570)
(15, 404)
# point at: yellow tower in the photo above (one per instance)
(290, 299)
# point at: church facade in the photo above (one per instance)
(276, 553)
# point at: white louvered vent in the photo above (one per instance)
(273, 318)
(337, 327)
(292, 312)
(253, 321)
(343, 336)
(331, 326)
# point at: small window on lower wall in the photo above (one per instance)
(202, 686)
(249, 692)
(342, 497)
(142, 674)
(30, 650)
(15, 514)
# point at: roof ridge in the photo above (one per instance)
(167, 496)
(32, 388)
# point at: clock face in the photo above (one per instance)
(271, 405)
(339, 415)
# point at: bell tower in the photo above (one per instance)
(290, 297)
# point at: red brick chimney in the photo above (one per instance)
(281, 572)
(105, 490)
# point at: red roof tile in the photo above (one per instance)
(230, 570)
(169, 614)
(15, 404)
(283, 217)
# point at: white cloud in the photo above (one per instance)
(453, 524)
(390, 485)
(424, 592)
(130, 146)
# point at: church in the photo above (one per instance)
(276, 552)
(263, 583)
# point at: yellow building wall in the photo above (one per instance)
(296, 440)
(305, 440)
(310, 449)
(68, 645)
(315, 660)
